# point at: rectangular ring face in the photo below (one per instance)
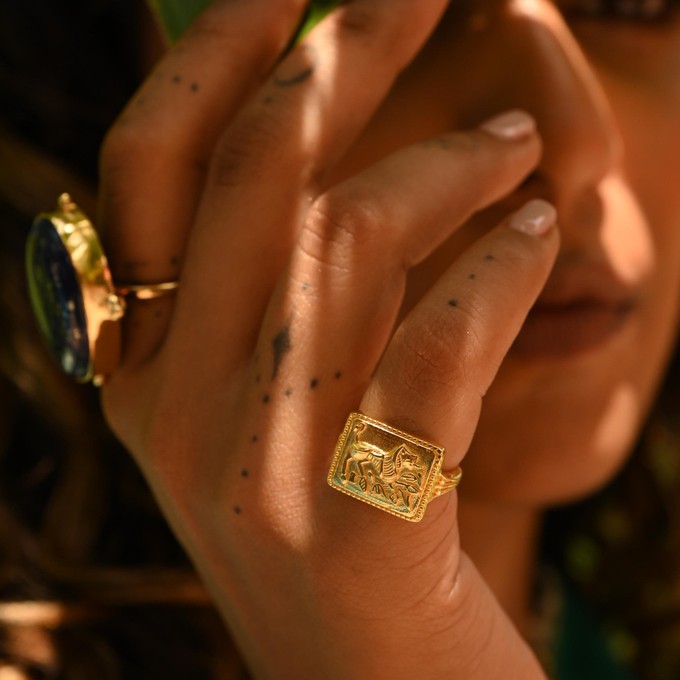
(384, 467)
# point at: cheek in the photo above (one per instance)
(553, 433)
(652, 137)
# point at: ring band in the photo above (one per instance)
(74, 299)
(142, 291)
(389, 469)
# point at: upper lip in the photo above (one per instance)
(591, 284)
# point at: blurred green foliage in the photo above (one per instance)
(176, 15)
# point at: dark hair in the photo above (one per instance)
(92, 582)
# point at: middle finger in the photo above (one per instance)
(266, 167)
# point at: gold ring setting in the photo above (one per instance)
(389, 469)
(73, 295)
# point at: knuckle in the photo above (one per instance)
(434, 356)
(360, 21)
(237, 152)
(219, 24)
(340, 229)
(129, 146)
(349, 217)
(394, 28)
(376, 24)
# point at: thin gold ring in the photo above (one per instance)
(142, 291)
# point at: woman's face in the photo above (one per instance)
(604, 86)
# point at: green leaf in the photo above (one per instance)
(175, 15)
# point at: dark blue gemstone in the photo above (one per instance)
(57, 299)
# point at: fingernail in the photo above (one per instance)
(535, 218)
(511, 125)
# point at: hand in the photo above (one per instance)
(231, 396)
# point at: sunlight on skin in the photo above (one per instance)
(619, 422)
(636, 261)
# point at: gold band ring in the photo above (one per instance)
(389, 469)
(142, 291)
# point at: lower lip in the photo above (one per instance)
(563, 332)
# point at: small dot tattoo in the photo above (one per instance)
(244, 473)
(489, 258)
(472, 277)
(338, 375)
(265, 399)
(254, 439)
(288, 391)
(453, 303)
(194, 87)
(313, 383)
(237, 509)
(305, 286)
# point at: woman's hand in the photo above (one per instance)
(232, 395)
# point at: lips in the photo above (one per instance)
(580, 310)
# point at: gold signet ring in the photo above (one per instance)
(72, 293)
(389, 469)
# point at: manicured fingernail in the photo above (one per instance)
(535, 218)
(510, 125)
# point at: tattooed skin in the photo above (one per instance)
(295, 79)
(281, 346)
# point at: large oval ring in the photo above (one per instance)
(75, 302)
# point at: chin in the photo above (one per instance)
(551, 446)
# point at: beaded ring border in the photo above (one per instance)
(389, 469)
(74, 300)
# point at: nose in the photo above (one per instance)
(539, 66)
(582, 142)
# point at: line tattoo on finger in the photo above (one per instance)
(300, 70)
(281, 346)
